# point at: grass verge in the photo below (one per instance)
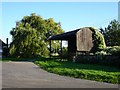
(15, 59)
(83, 71)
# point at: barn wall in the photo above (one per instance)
(72, 45)
(84, 40)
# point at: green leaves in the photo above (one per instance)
(30, 36)
(98, 41)
(112, 33)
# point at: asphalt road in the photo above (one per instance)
(28, 75)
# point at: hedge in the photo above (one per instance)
(109, 60)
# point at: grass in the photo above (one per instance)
(83, 71)
(15, 59)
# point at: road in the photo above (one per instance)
(29, 75)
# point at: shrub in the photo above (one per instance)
(115, 50)
(101, 53)
(99, 59)
(110, 56)
(98, 40)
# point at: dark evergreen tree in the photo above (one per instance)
(112, 33)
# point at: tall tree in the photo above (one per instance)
(30, 36)
(112, 33)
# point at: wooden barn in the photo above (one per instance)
(79, 40)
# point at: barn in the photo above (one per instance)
(79, 40)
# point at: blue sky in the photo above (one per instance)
(72, 15)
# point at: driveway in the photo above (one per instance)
(28, 75)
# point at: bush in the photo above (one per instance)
(101, 53)
(62, 54)
(115, 50)
(98, 40)
(110, 56)
(99, 59)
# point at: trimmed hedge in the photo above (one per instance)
(108, 60)
(110, 56)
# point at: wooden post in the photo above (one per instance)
(61, 46)
(50, 48)
(61, 56)
(7, 53)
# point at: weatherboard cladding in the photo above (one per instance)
(84, 39)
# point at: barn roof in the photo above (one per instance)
(64, 36)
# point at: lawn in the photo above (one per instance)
(16, 59)
(83, 71)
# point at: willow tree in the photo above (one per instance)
(29, 37)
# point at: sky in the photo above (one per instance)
(72, 15)
(119, 11)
